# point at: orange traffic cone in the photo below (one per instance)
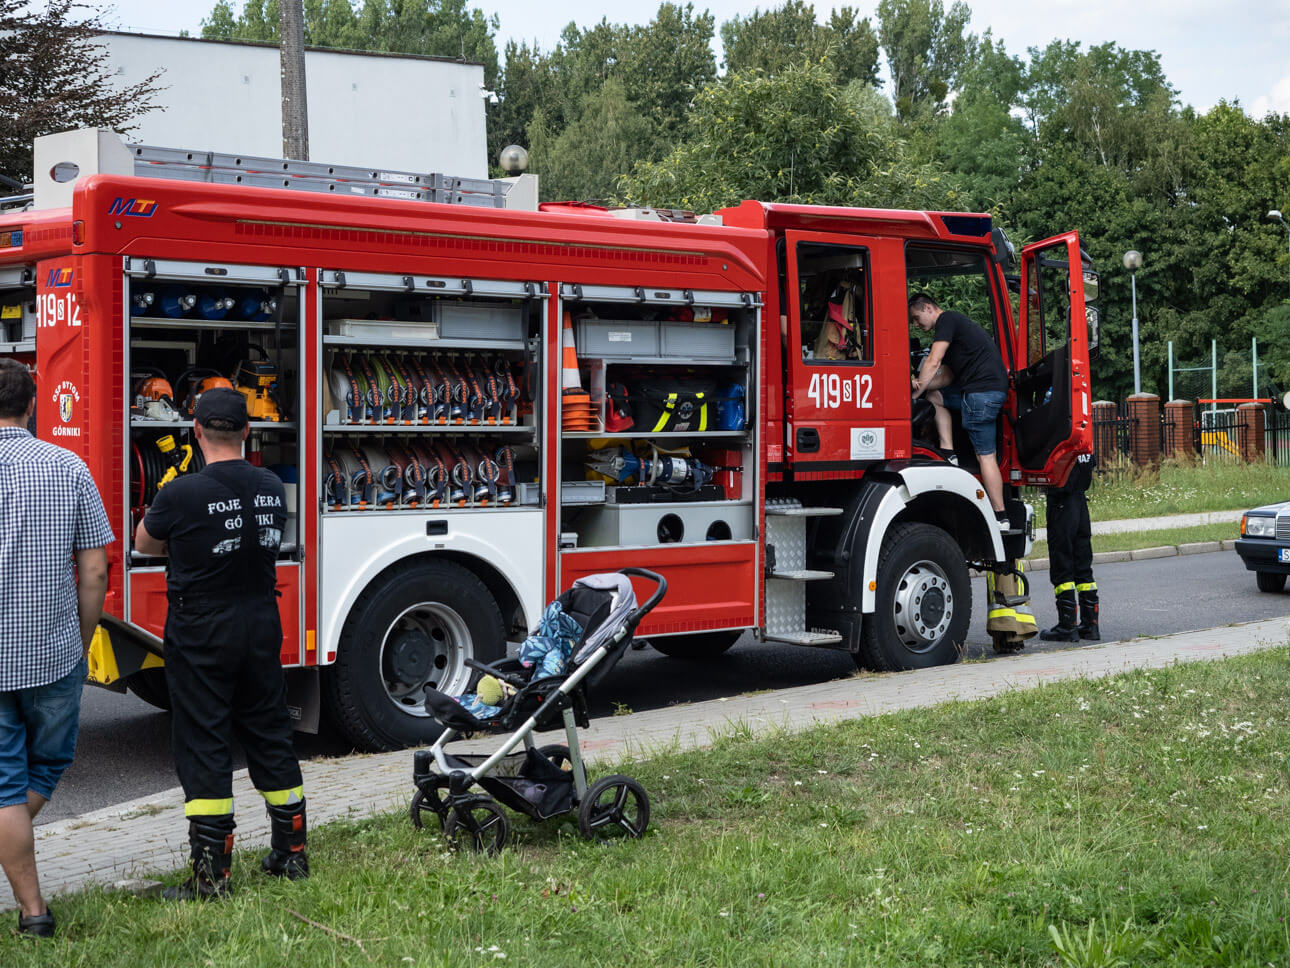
(575, 402)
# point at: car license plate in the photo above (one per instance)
(1283, 555)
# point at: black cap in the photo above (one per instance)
(221, 403)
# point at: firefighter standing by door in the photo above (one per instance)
(1070, 551)
(221, 530)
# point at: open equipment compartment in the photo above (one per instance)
(425, 396)
(671, 455)
(191, 327)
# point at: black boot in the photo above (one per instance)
(1089, 611)
(287, 840)
(211, 840)
(1065, 630)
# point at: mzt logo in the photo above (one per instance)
(137, 207)
(59, 279)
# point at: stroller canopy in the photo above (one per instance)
(600, 604)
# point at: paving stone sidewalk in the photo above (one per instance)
(148, 835)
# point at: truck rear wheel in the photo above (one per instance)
(924, 602)
(707, 645)
(413, 627)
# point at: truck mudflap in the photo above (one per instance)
(112, 661)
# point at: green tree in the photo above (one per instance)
(789, 35)
(435, 28)
(586, 159)
(54, 75)
(926, 48)
(658, 68)
(791, 137)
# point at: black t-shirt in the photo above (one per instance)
(972, 355)
(224, 527)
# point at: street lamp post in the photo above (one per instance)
(1133, 262)
(1276, 214)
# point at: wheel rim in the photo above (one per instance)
(615, 812)
(923, 606)
(427, 645)
(480, 824)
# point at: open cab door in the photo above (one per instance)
(1054, 412)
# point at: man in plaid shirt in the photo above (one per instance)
(50, 516)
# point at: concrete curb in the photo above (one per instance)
(1145, 554)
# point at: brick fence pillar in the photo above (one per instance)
(1144, 444)
(1251, 423)
(1180, 429)
(1104, 442)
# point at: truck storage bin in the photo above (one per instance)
(480, 321)
(582, 492)
(698, 341)
(379, 329)
(616, 338)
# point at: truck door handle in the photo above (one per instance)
(808, 440)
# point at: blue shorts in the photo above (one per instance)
(38, 729)
(980, 412)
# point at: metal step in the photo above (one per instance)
(803, 574)
(806, 638)
(801, 512)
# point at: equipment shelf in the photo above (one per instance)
(144, 424)
(367, 342)
(26, 346)
(425, 428)
(165, 322)
(646, 435)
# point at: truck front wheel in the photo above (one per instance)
(413, 627)
(923, 602)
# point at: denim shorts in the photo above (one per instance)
(38, 729)
(980, 414)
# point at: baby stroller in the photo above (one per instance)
(598, 615)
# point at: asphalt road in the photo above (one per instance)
(124, 748)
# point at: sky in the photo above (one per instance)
(1211, 50)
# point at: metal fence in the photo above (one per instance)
(1217, 436)
(1113, 432)
(1277, 450)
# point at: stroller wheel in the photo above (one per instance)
(477, 822)
(430, 800)
(614, 807)
(558, 754)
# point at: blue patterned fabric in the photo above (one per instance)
(477, 708)
(546, 653)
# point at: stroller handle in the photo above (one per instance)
(641, 611)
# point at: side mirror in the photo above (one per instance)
(1090, 286)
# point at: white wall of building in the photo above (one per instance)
(389, 111)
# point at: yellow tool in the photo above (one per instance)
(181, 457)
(257, 380)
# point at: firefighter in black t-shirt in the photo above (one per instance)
(221, 530)
(1070, 551)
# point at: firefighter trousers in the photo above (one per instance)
(1070, 546)
(224, 670)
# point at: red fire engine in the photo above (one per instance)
(472, 405)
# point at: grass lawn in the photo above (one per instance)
(1137, 820)
(1181, 489)
(1133, 540)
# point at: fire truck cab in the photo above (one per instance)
(474, 400)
